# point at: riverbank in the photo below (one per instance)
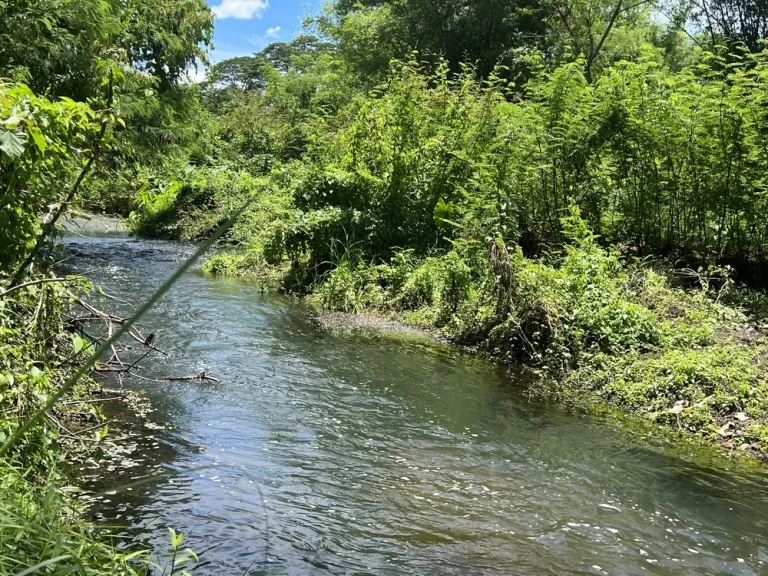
(728, 437)
(685, 350)
(50, 326)
(43, 525)
(418, 443)
(608, 386)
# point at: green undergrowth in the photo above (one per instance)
(248, 265)
(44, 527)
(41, 521)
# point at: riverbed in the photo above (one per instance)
(336, 452)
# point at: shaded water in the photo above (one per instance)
(338, 454)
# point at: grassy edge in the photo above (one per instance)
(680, 360)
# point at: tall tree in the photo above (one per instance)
(59, 46)
(583, 27)
(165, 37)
(56, 46)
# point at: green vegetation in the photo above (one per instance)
(85, 87)
(506, 185)
(606, 329)
(537, 179)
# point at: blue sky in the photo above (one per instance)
(246, 26)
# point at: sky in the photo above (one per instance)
(246, 26)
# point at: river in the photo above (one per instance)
(340, 453)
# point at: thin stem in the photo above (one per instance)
(35, 283)
(124, 329)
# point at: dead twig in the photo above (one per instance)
(202, 376)
(115, 364)
(91, 401)
(111, 297)
(95, 427)
(97, 314)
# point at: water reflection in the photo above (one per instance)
(336, 453)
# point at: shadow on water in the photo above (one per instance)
(338, 453)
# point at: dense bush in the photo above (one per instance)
(40, 145)
(661, 162)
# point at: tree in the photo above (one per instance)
(482, 32)
(741, 21)
(56, 46)
(142, 48)
(242, 73)
(60, 47)
(587, 24)
(165, 37)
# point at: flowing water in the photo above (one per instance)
(337, 453)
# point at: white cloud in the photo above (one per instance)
(241, 9)
(261, 41)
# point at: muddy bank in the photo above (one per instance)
(86, 224)
(372, 326)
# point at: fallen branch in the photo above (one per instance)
(91, 401)
(111, 297)
(134, 333)
(115, 364)
(140, 377)
(202, 376)
(95, 427)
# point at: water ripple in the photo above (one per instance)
(343, 455)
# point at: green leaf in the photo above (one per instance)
(176, 539)
(38, 567)
(192, 553)
(11, 144)
(78, 343)
(38, 138)
(444, 211)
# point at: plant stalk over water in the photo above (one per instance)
(124, 329)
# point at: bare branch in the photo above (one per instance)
(606, 32)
